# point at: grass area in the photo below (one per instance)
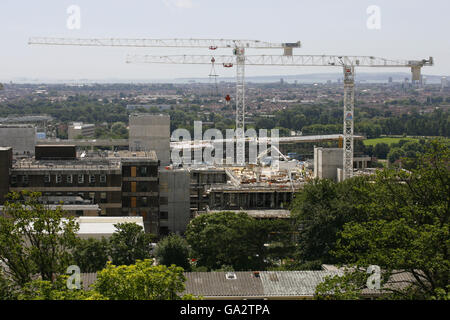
(387, 140)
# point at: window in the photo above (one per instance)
(163, 200)
(47, 178)
(143, 171)
(91, 178)
(25, 179)
(92, 195)
(103, 178)
(103, 197)
(69, 178)
(142, 187)
(58, 178)
(163, 215)
(143, 201)
(13, 179)
(81, 178)
(163, 230)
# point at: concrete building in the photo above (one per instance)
(121, 183)
(150, 132)
(21, 137)
(140, 188)
(74, 210)
(230, 197)
(174, 202)
(6, 159)
(77, 129)
(327, 161)
(201, 180)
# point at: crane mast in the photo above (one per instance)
(240, 105)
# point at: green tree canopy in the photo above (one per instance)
(91, 254)
(141, 281)
(129, 243)
(233, 240)
(34, 239)
(173, 249)
(320, 210)
(406, 230)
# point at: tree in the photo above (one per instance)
(173, 249)
(395, 154)
(91, 254)
(343, 287)
(320, 210)
(230, 239)
(7, 290)
(141, 281)
(34, 239)
(408, 228)
(381, 150)
(56, 290)
(120, 130)
(129, 243)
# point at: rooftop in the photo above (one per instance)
(269, 213)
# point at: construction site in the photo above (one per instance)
(264, 187)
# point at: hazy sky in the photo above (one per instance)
(410, 29)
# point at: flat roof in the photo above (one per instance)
(104, 226)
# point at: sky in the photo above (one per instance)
(408, 29)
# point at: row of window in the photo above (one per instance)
(59, 178)
(70, 178)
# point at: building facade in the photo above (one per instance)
(120, 183)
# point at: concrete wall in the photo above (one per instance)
(327, 161)
(174, 186)
(5, 165)
(22, 138)
(151, 132)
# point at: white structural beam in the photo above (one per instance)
(281, 60)
(163, 43)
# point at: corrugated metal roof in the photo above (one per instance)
(87, 279)
(262, 284)
(292, 283)
(209, 284)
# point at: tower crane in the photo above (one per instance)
(240, 59)
(348, 63)
(238, 46)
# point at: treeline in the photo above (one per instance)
(397, 220)
(75, 108)
(316, 120)
(326, 118)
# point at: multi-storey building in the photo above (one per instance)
(77, 129)
(121, 183)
